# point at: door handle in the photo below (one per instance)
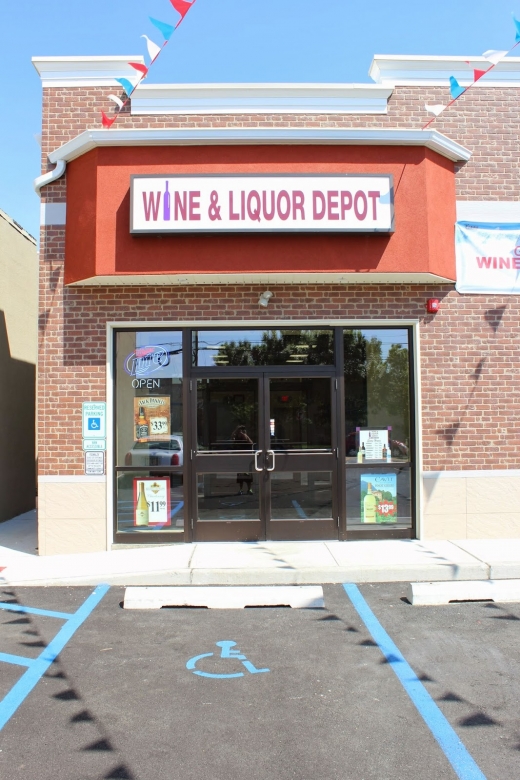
(257, 453)
(271, 452)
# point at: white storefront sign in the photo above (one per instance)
(261, 203)
(488, 258)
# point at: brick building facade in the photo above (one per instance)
(466, 356)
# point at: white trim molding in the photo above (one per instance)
(91, 139)
(394, 70)
(506, 211)
(184, 280)
(86, 71)
(471, 474)
(53, 213)
(71, 478)
(260, 99)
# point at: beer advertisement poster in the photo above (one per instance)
(151, 502)
(379, 498)
(152, 418)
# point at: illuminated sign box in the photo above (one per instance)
(341, 203)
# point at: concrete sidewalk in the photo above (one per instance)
(260, 563)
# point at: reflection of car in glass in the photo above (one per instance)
(156, 453)
(398, 448)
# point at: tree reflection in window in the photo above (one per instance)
(278, 348)
(377, 385)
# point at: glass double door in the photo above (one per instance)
(265, 460)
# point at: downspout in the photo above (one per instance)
(47, 178)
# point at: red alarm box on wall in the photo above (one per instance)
(433, 305)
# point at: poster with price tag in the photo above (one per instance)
(152, 418)
(379, 498)
(151, 502)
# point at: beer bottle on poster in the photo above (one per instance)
(142, 511)
(142, 429)
(369, 506)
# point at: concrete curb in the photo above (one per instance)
(436, 593)
(303, 576)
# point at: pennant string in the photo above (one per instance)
(166, 30)
(182, 7)
(153, 49)
(117, 100)
(492, 55)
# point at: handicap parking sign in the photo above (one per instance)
(94, 420)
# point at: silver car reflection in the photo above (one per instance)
(157, 453)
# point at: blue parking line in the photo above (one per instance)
(16, 659)
(460, 759)
(35, 611)
(177, 509)
(299, 510)
(39, 666)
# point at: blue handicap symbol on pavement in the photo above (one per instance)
(225, 652)
(94, 424)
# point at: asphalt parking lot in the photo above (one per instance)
(302, 694)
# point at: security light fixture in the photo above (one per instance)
(265, 298)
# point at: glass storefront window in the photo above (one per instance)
(149, 398)
(379, 497)
(149, 502)
(377, 389)
(300, 413)
(228, 497)
(221, 348)
(227, 414)
(304, 495)
(262, 444)
(149, 432)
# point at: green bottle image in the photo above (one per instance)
(369, 506)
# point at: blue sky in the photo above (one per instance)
(220, 40)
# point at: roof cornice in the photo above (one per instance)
(392, 70)
(260, 99)
(86, 71)
(91, 139)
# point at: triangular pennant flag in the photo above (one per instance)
(477, 74)
(106, 121)
(455, 89)
(182, 7)
(117, 100)
(515, 20)
(436, 109)
(494, 55)
(127, 86)
(153, 49)
(140, 67)
(166, 30)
